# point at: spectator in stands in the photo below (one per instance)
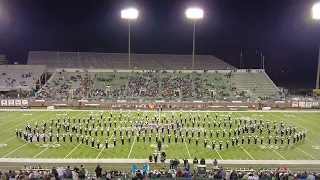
(168, 174)
(75, 175)
(215, 162)
(195, 163)
(303, 176)
(311, 177)
(54, 172)
(12, 176)
(68, 172)
(82, 173)
(60, 172)
(76, 169)
(202, 161)
(98, 171)
(233, 175)
(171, 163)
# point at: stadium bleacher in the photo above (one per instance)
(19, 77)
(106, 85)
(84, 60)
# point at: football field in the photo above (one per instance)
(12, 146)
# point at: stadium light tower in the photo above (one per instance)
(194, 14)
(316, 15)
(130, 13)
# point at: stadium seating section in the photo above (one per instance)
(159, 86)
(120, 61)
(19, 77)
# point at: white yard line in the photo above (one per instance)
(72, 150)
(1, 118)
(132, 146)
(187, 149)
(305, 152)
(54, 142)
(293, 144)
(25, 122)
(293, 123)
(105, 146)
(267, 145)
(307, 121)
(100, 152)
(8, 139)
(311, 141)
(108, 142)
(12, 120)
(15, 150)
(44, 149)
(309, 117)
(246, 151)
(216, 150)
(275, 151)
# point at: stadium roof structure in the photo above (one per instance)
(85, 60)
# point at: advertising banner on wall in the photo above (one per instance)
(11, 102)
(295, 104)
(25, 102)
(315, 103)
(17, 102)
(308, 104)
(302, 104)
(4, 103)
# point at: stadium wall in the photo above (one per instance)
(154, 104)
(84, 103)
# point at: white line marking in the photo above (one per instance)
(275, 151)
(6, 121)
(269, 146)
(305, 152)
(38, 117)
(100, 152)
(8, 139)
(45, 149)
(15, 150)
(293, 123)
(311, 141)
(132, 146)
(72, 150)
(104, 146)
(216, 150)
(187, 149)
(306, 121)
(246, 151)
(9, 115)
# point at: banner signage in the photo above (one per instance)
(25, 102)
(17, 102)
(4, 103)
(295, 104)
(308, 104)
(11, 102)
(302, 104)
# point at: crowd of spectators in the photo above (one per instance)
(144, 84)
(149, 84)
(173, 86)
(174, 171)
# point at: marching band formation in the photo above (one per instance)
(218, 130)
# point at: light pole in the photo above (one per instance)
(194, 14)
(130, 13)
(316, 15)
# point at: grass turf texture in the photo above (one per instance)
(13, 147)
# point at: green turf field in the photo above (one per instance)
(13, 147)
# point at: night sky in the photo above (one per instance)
(282, 29)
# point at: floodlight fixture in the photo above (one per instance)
(194, 13)
(130, 13)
